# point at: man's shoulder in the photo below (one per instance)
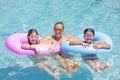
(46, 37)
(67, 35)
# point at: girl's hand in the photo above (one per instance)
(84, 44)
(37, 50)
(52, 49)
(38, 41)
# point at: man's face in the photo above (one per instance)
(58, 31)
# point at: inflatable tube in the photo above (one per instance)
(14, 42)
(80, 49)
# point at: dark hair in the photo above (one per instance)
(29, 33)
(59, 23)
(89, 29)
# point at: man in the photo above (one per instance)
(57, 39)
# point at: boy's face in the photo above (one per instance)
(89, 37)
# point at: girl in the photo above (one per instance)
(39, 61)
(92, 59)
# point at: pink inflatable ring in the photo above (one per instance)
(14, 42)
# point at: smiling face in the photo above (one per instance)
(33, 36)
(58, 29)
(89, 36)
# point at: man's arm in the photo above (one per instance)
(75, 41)
(46, 39)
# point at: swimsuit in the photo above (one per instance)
(37, 59)
(89, 56)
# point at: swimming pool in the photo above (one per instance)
(21, 15)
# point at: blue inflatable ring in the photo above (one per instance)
(99, 36)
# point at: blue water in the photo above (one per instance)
(21, 15)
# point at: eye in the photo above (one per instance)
(33, 37)
(60, 30)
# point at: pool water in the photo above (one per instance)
(77, 15)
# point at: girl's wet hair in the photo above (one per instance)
(29, 33)
(59, 23)
(89, 29)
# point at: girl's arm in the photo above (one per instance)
(101, 44)
(30, 47)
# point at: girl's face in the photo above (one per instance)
(89, 37)
(33, 38)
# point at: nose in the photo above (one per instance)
(89, 37)
(34, 38)
(57, 31)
